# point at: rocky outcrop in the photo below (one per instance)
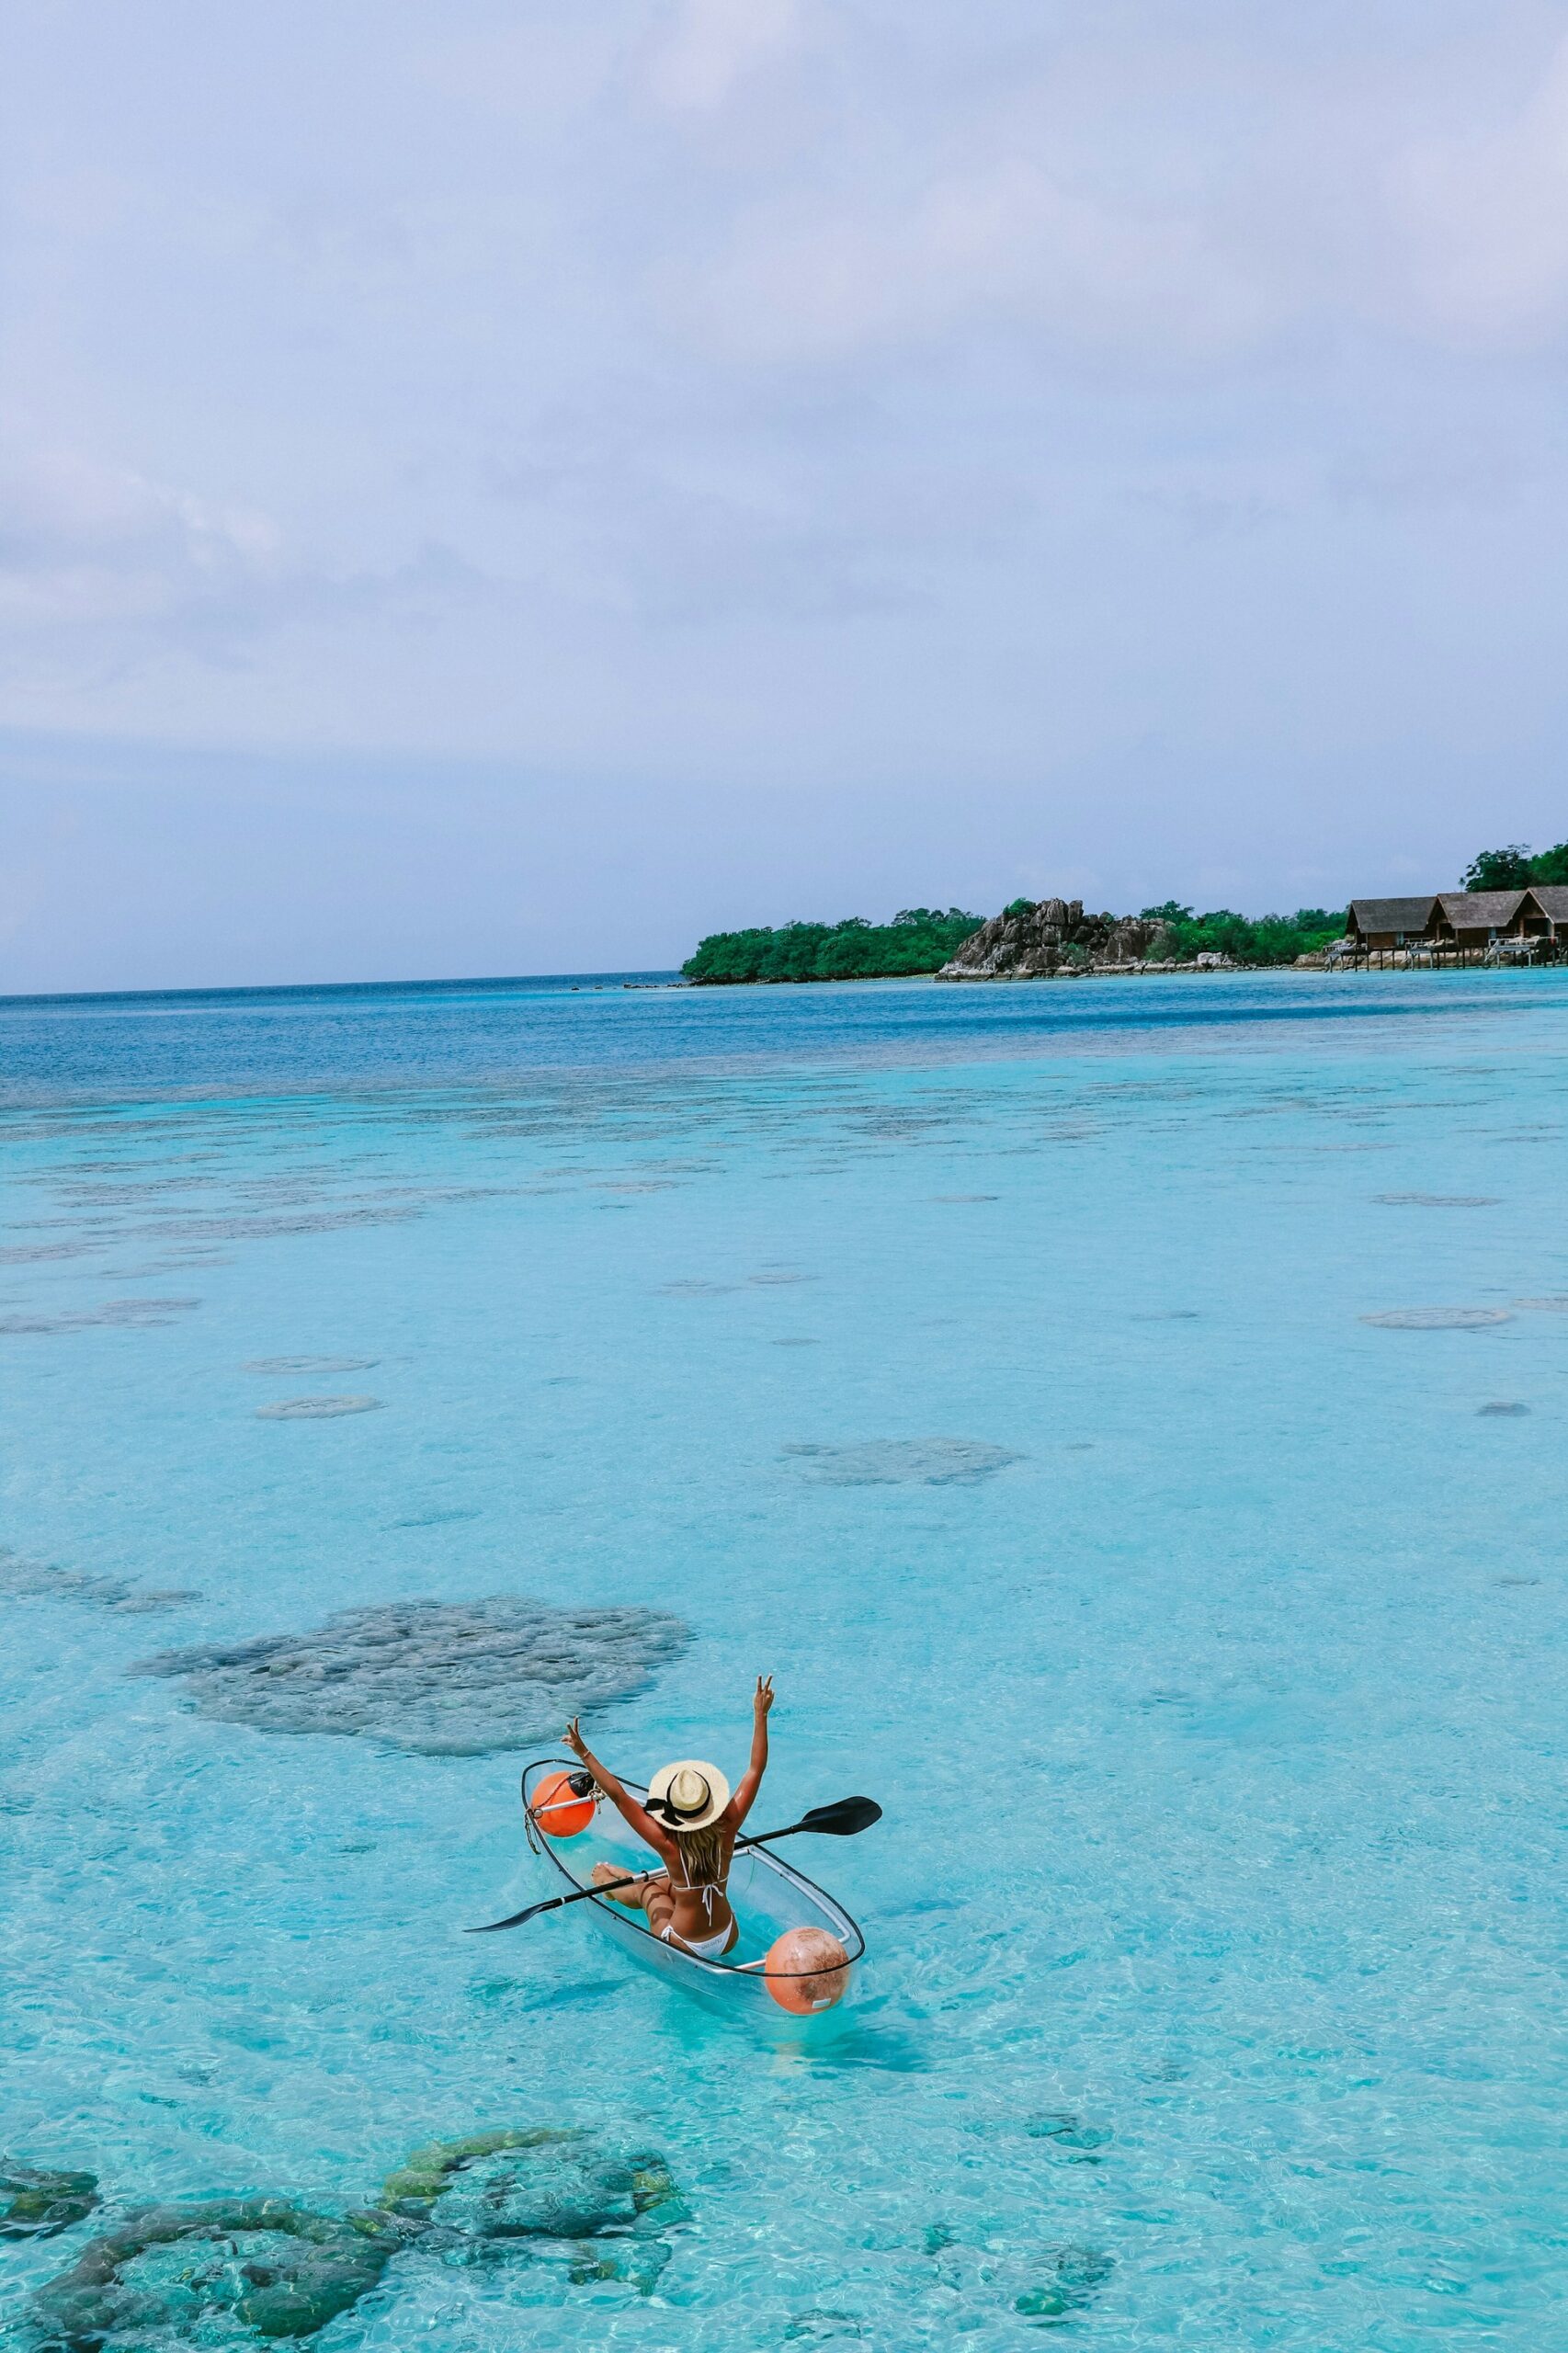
(1027, 943)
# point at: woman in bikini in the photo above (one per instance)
(691, 1821)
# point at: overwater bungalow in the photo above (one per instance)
(1528, 926)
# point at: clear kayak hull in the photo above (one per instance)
(768, 1894)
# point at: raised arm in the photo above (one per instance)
(739, 1805)
(641, 1821)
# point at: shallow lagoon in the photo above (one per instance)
(1211, 1686)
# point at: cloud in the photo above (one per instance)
(1003, 244)
(83, 542)
(1486, 214)
(713, 45)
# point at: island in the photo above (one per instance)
(1030, 940)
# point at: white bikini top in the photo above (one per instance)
(707, 1889)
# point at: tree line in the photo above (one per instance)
(922, 940)
(1249, 939)
(1516, 868)
(918, 939)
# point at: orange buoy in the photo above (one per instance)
(560, 1808)
(806, 1969)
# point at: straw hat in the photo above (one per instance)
(687, 1795)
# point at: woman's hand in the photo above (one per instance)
(575, 1742)
(762, 1698)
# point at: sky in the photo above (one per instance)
(505, 488)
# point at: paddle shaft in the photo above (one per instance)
(840, 1821)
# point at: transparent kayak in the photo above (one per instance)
(766, 1894)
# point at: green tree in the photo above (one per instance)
(1551, 865)
(918, 939)
(1500, 869)
(1248, 940)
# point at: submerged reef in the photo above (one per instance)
(440, 1678)
(1075, 2272)
(135, 1314)
(166, 2272)
(1438, 1319)
(606, 2212)
(1065, 2278)
(316, 1409)
(36, 2203)
(235, 2270)
(895, 1462)
(296, 1367)
(40, 1577)
(1436, 1201)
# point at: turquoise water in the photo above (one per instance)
(1215, 1978)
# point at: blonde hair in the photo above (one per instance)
(702, 1854)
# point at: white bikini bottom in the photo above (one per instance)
(705, 1947)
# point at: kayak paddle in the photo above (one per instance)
(839, 1821)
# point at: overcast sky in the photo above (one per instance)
(503, 487)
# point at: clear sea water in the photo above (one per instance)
(1216, 1921)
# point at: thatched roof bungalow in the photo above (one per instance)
(1391, 923)
(1465, 925)
(1476, 918)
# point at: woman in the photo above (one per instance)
(691, 1821)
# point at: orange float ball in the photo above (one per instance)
(558, 1810)
(806, 1969)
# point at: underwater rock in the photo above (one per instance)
(1077, 2273)
(171, 2271)
(1068, 2133)
(823, 2327)
(1438, 1319)
(296, 1367)
(316, 1409)
(1557, 1306)
(545, 2184)
(1437, 1201)
(1043, 2303)
(29, 1577)
(1502, 1406)
(1070, 2274)
(135, 1314)
(439, 1679)
(894, 1462)
(225, 2270)
(37, 2202)
(32, 1254)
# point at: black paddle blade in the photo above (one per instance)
(843, 1820)
(490, 1926)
